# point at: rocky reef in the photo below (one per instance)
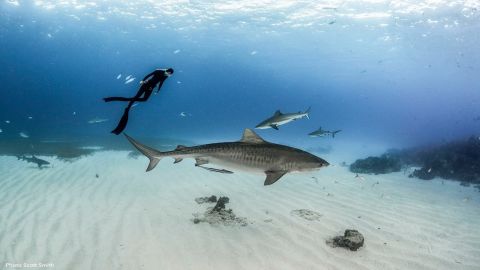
(459, 160)
(386, 163)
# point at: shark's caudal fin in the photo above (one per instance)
(335, 132)
(151, 153)
(307, 112)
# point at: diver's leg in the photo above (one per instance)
(108, 99)
(123, 122)
(140, 92)
(145, 97)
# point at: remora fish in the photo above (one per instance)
(251, 153)
(322, 133)
(34, 159)
(279, 119)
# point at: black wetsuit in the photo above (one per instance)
(149, 83)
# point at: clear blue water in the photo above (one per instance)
(398, 73)
(389, 74)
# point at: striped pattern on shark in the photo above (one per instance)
(251, 153)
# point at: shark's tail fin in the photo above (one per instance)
(151, 153)
(307, 112)
(335, 132)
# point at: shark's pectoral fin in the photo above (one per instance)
(216, 170)
(200, 162)
(177, 160)
(274, 127)
(273, 176)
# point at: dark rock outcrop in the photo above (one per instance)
(220, 204)
(386, 163)
(422, 173)
(210, 199)
(218, 214)
(458, 160)
(351, 239)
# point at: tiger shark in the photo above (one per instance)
(251, 153)
(280, 118)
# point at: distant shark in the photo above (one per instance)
(97, 120)
(34, 159)
(251, 153)
(279, 119)
(322, 133)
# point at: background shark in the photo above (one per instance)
(34, 159)
(251, 153)
(279, 119)
(322, 133)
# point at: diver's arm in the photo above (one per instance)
(149, 75)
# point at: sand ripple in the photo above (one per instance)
(129, 219)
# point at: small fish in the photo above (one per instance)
(253, 52)
(179, 82)
(176, 51)
(24, 135)
(30, 118)
(129, 80)
(119, 76)
(429, 170)
(1, 130)
(128, 77)
(7, 121)
(97, 120)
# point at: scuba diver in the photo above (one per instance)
(148, 83)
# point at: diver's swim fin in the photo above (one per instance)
(122, 124)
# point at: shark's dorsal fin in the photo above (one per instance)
(277, 113)
(251, 137)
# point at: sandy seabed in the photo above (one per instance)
(64, 217)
